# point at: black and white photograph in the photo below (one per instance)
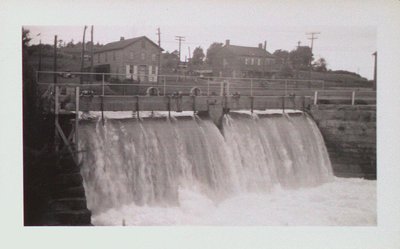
(140, 131)
(195, 119)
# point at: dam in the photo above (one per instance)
(224, 159)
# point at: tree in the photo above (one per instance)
(170, 61)
(212, 51)
(301, 57)
(198, 56)
(60, 43)
(282, 56)
(25, 38)
(320, 65)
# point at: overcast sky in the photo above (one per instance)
(347, 48)
(347, 38)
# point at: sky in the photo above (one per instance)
(345, 48)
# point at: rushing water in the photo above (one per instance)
(162, 167)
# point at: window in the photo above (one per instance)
(143, 56)
(153, 69)
(246, 61)
(259, 62)
(252, 61)
(131, 55)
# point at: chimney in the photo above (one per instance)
(260, 45)
(122, 38)
(227, 42)
(265, 45)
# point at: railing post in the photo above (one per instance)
(164, 83)
(286, 86)
(251, 87)
(252, 104)
(353, 96)
(102, 85)
(315, 97)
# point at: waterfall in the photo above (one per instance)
(147, 161)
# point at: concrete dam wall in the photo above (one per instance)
(350, 136)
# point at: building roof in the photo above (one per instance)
(247, 51)
(123, 44)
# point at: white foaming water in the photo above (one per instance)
(263, 171)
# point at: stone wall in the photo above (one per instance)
(350, 137)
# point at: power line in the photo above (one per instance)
(180, 39)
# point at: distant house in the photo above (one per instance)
(135, 58)
(243, 62)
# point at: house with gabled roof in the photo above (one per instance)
(243, 62)
(135, 58)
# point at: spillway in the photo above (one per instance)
(166, 164)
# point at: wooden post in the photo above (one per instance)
(315, 97)
(137, 107)
(40, 61)
(91, 55)
(169, 106)
(76, 117)
(56, 109)
(251, 87)
(251, 103)
(55, 60)
(102, 85)
(286, 86)
(375, 70)
(83, 54)
(102, 109)
(353, 96)
(164, 83)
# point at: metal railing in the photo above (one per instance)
(106, 84)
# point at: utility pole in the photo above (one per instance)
(312, 38)
(55, 60)
(83, 54)
(298, 44)
(180, 39)
(91, 54)
(159, 55)
(189, 61)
